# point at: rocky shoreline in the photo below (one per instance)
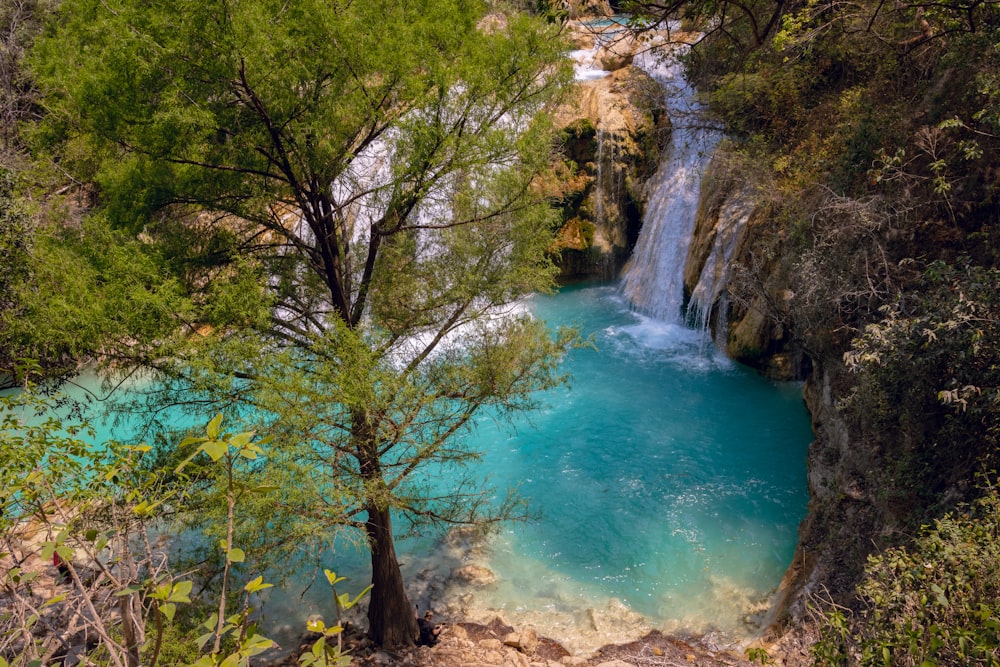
(497, 644)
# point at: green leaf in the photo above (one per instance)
(315, 625)
(250, 452)
(168, 609)
(128, 590)
(52, 601)
(48, 548)
(241, 439)
(212, 430)
(256, 585)
(345, 604)
(236, 555)
(181, 591)
(215, 449)
(257, 644)
(332, 577)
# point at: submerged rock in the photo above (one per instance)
(474, 575)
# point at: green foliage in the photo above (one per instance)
(928, 373)
(935, 603)
(351, 187)
(15, 242)
(759, 655)
(98, 509)
(87, 293)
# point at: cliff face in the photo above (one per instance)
(722, 283)
(887, 456)
(614, 130)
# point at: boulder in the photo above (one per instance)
(525, 641)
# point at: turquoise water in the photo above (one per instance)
(669, 477)
(670, 482)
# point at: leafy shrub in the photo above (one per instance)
(929, 380)
(936, 603)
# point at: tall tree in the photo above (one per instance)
(350, 191)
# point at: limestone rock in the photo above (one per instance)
(525, 641)
(614, 130)
(491, 644)
(588, 8)
(474, 575)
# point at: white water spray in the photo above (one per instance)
(653, 280)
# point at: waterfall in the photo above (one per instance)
(730, 227)
(653, 279)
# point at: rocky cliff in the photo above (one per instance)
(614, 130)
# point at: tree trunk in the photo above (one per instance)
(391, 618)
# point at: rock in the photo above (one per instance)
(525, 641)
(588, 8)
(615, 128)
(616, 619)
(615, 663)
(383, 658)
(474, 575)
(492, 23)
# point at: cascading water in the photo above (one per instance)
(730, 227)
(653, 280)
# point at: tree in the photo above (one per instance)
(348, 192)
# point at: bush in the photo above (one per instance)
(937, 603)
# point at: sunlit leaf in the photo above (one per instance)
(181, 591)
(241, 439)
(215, 449)
(168, 609)
(212, 430)
(256, 585)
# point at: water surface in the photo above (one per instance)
(670, 483)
